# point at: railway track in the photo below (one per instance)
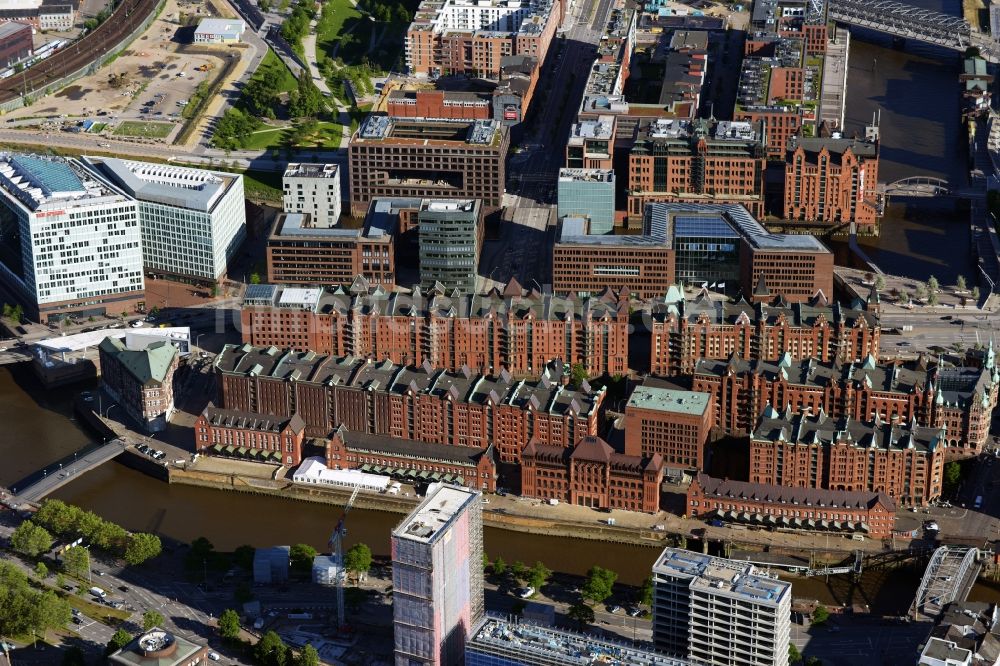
(127, 16)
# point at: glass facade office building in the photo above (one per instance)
(588, 193)
(707, 250)
(193, 221)
(450, 240)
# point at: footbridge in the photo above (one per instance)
(37, 485)
(904, 21)
(916, 186)
(949, 576)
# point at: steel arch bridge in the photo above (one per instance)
(902, 20)
(918, 186)
(948, 577)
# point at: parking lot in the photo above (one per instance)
(150, 81)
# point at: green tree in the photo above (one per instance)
(578, 375)
(932, 284)
(919, 292)
(952, 477)
(820, 615)
(150, 619)
(24, 609)
(76, 560)
(41, 570)
(306, 101)
(879, 283)
(960, 283)
(904, 298)
(142, 547)
(499, 566)
(486, 561)
(646, 592)
(932, 298)
(271, 650)
(975, 293)
(794, 656)
(60, 580)
(813, 661)
(30, 539)
(582, 613)
(599, 584)
(301, 558)
(255, 278)
(538, 575)
(229, 625)
(308, 656)
(519, 571)
(358, 559)
(120, 639)
(243, 557)
(233, 130)
(198, 555)
(265, 5)
(74, 657)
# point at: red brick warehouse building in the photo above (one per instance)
(417, 403)
(673, 425)
(684, 331)
(514, 329)
(809, 509)
(804, 450)
(961, 400)
(592, 474)
(259, 437)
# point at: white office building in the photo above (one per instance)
(68, 242)
(711, 610)
(313, 189)
(193, 221)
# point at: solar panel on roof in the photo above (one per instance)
(260, 292)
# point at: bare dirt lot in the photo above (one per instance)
(150, 81)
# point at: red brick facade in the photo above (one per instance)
(250, 436)
(867, 513)
(959, 399)
(417, 403)
(832, 181)
(512, 330)
(816, 451)
(592, 474)
(685, 331)
(672, 424)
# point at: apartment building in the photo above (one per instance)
(421, 403)
(832, 182)
(591, 144)
(670, 423)
(593, 474)
(259, 437)
(697, 161)
(449, 37)
(193, 221)
(813, 450)
(450, 239)
(437, 578)
(70, 243)
(300, 252)
(514, 329)
(685, 330)
(141, 379)
(458, 159)
(960, 400)
(588, 194)
(312, 189)
(847, 513)
(711, 610)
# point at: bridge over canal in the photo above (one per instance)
(36, 486)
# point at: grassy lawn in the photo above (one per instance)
(97, 127)
(326, 135)
(331, 23)
(144, 129)
(272, 61)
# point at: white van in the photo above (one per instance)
(98, 592)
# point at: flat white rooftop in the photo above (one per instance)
(439, 508)
(72, 343)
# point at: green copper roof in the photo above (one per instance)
(146, 365)
(669, 400)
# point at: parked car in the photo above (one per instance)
(526, 592)
(613, 608)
